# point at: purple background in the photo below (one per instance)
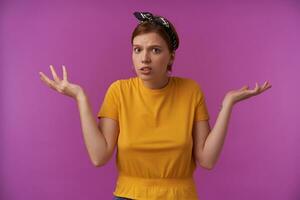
(223, 46)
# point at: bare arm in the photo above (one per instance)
(208, 144)
(215, 139)
(94, 140)
(100, 139)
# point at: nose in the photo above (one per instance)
(145, 57)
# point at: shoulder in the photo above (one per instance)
(187, 83)
(123, 84)
(115, 85)
(127, 83)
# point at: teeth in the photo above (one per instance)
(146, 68)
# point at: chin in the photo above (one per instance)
(145, 78)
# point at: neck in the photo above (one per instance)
(156, 84)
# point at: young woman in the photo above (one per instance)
(159, 122)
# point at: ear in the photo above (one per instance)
(172, 57)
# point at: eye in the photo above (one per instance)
(136, 50)
(156, 50)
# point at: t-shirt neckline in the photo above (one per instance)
(155, 91)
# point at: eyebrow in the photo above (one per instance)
(155, 45)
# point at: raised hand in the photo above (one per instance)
(61, 86)
(235, 96)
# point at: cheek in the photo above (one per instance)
(163, 60)
(134, 59)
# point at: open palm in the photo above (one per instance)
(244, 93)
(62, 86)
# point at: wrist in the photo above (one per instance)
(227, 103)
(80, 95)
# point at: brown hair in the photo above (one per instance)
(147, 27)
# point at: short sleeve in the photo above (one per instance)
(110, 104)
(201, 111)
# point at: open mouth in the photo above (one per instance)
(146, 68)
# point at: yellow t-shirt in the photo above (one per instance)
(154, 149)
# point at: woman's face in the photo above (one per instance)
(151, 56)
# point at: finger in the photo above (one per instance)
(65, 75)
(264, 85)
(44, 77)
(46, 80)
(268, 85)
(260, 87)
(255, 89)
(244, 88)
(55, 77)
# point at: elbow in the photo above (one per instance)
(98, 160)
(202, 164)
(98, 163)
(206, 166)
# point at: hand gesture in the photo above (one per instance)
(61, 86)
(235, 96)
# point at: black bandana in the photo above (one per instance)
(147, 16)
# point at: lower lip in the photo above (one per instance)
(146, 72)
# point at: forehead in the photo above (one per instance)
(147, 39)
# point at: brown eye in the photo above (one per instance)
(156, 50)
(136, 50)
